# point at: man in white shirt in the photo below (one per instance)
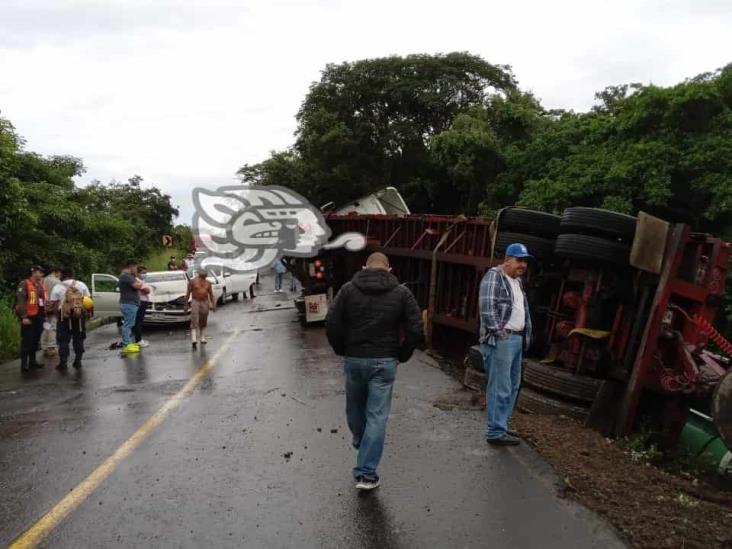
(48, 338)
(70, 321)
(505, 331)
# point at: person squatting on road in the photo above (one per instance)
(505, 332)
(30, 304)
(70, 304)
(200, 292)
(129, 302)
(48, 338)
(363, 325)
(144, 295)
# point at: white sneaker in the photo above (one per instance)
(366, 484)
(143, 343)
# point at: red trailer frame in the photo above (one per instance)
(657, 347)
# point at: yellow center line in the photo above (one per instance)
(38, 532)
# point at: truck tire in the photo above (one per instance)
(525, 221)
(550, 379)
(598, 222)
(592, 248)
(538, 403)
(722, 408)
(538, 247)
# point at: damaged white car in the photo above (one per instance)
(167, 296)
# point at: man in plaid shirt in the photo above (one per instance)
(505, 332)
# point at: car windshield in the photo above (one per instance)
(210, 275)
(165, 276)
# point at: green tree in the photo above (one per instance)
(664, 150)
(471, 155)
(371, 123)
(46, 219)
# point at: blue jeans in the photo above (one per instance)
(278, 280)
(369, 384)
(503, 373)
(129, 313)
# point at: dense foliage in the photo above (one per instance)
(456, 135)
(427, 124)
(664, 150)
(46, 219)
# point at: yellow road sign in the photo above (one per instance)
(167, 241)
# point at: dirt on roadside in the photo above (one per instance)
(651, 508)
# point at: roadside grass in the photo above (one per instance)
(159, 260)
(9, 330)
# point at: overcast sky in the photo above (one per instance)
(183, 93)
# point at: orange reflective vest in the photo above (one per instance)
(33, 299)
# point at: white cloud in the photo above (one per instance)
(184, 93)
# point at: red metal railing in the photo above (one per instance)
(411, 242)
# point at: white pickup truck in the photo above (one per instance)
(233, 282)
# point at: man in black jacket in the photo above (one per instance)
(364, 325)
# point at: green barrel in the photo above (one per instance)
(701, 440)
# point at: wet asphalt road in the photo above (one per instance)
(259, 454)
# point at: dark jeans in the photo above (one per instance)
(71, 330)
(30, 337)
(139, 320)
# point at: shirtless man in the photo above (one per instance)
(201, 292)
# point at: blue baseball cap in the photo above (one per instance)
(517, 250)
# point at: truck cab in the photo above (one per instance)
(322, 276)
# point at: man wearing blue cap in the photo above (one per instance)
(505, 331)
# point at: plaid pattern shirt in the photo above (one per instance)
(496, 304)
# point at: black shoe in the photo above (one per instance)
(24, 367)
(77, 363)
(62, 366)
(194, 344)
(363, 483)
(504, 440)
(513, 433)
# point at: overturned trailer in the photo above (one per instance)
(623, 307)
